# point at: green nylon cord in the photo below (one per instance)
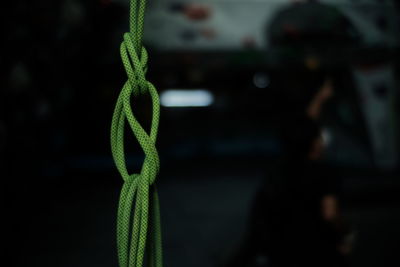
(138, 222)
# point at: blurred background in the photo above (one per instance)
(220, 67)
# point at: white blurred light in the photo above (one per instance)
(186, 98)
(326, 137)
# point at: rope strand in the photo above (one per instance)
(138, 230)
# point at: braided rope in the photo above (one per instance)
(138, 232)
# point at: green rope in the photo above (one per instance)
(138, 227)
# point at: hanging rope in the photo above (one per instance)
(138, 227)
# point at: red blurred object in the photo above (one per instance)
(197, 12)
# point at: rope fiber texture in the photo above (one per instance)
(138, 227)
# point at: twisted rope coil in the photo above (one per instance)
(138, 232)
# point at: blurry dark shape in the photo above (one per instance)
(261, 80)
(291, 31)
(310, 28)
(43, 109)
(190, 59)
(382, 23)
(169, 79)
(312, 62)
(189, 35)
(298, 87)
(73, 13)
(296, 219)
(19, 77)
(301, 136)
(308, 22)
(3, 142)
(195, 76)
(381, 91)
(197, 12)
(105, 2)
(177, 7)
(296, 2)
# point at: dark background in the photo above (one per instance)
(60, 77)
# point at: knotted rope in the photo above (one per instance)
(138, 232)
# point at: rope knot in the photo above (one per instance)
(135, 64)
(138, 224)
